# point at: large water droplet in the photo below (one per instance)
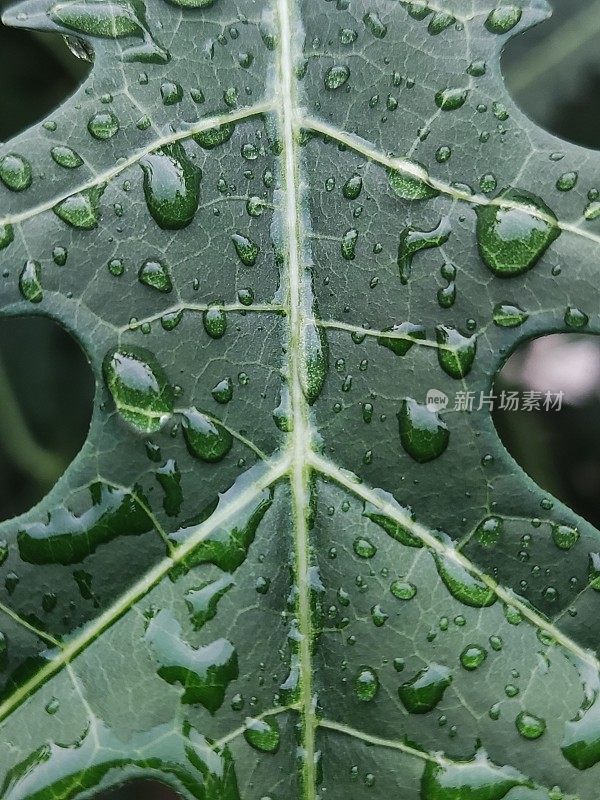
(213, 137)
(263, 735)
(530, 726)
(503, 18)
(472, 657)
(202, 601)
(81, 211)
(171, 186)
(511, 239)
(15, 172)
(423, 434)
(206, 439)
(423, 692)
(366, 684)
(103, 125)
(246, 249)
(139, 387)
(412, 240)
(509, 315)
(215, 322)
(155, 274)
(169, 478)
(460, 583)
(411, 186)
(66, 157)
(478, 779)
(404, 337)
(456, 352)
(30, 282)
(336, 76)
(68, 538)
(204, 672)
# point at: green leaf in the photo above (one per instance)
(289, 561)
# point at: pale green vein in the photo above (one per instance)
(124, 164)
(31, 628)
(124, 603)
(394, 744)
(199, 308)
(301, 433)
(377, 334)
(271, 712)
(362, 147)
(380, 741)
(354, 486)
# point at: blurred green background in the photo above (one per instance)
(46, 387)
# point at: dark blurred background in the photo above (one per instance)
(46, 386)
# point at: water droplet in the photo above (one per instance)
(263, 735)
(348, 244)
(375, 25)
(423, 434)
(213, 137)
(59, 255)
(564, 536)
(423, 692)
(412, 240)
(512, 240)
(15, 172)
(215, 322)
(403, 339)
(440, 22)
(477, 779)
(456, 352)
(206, 439)
(567, 181)
(530, 726)
(461, 584)
(7, 235)
(472, 657)
(503, 19)
(103, 125)
(451, 99)
(30, 284)
(155, 274)
(509, 315)
(403, 590)
(204, 672)
(171, 186)
(68, 538)
(228, 545)
(223, 391)
(336, 76)
(139, 387)
(246, 249)
(353, 187)
(575, 318)
(410, 186)
(171, 93)
(169, 478)
(363, 547)
(81, 211)
(393, 527)
(66, 157)
(366, 684)
(202, 601)
(314, 358)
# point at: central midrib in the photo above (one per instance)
(301, 435)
